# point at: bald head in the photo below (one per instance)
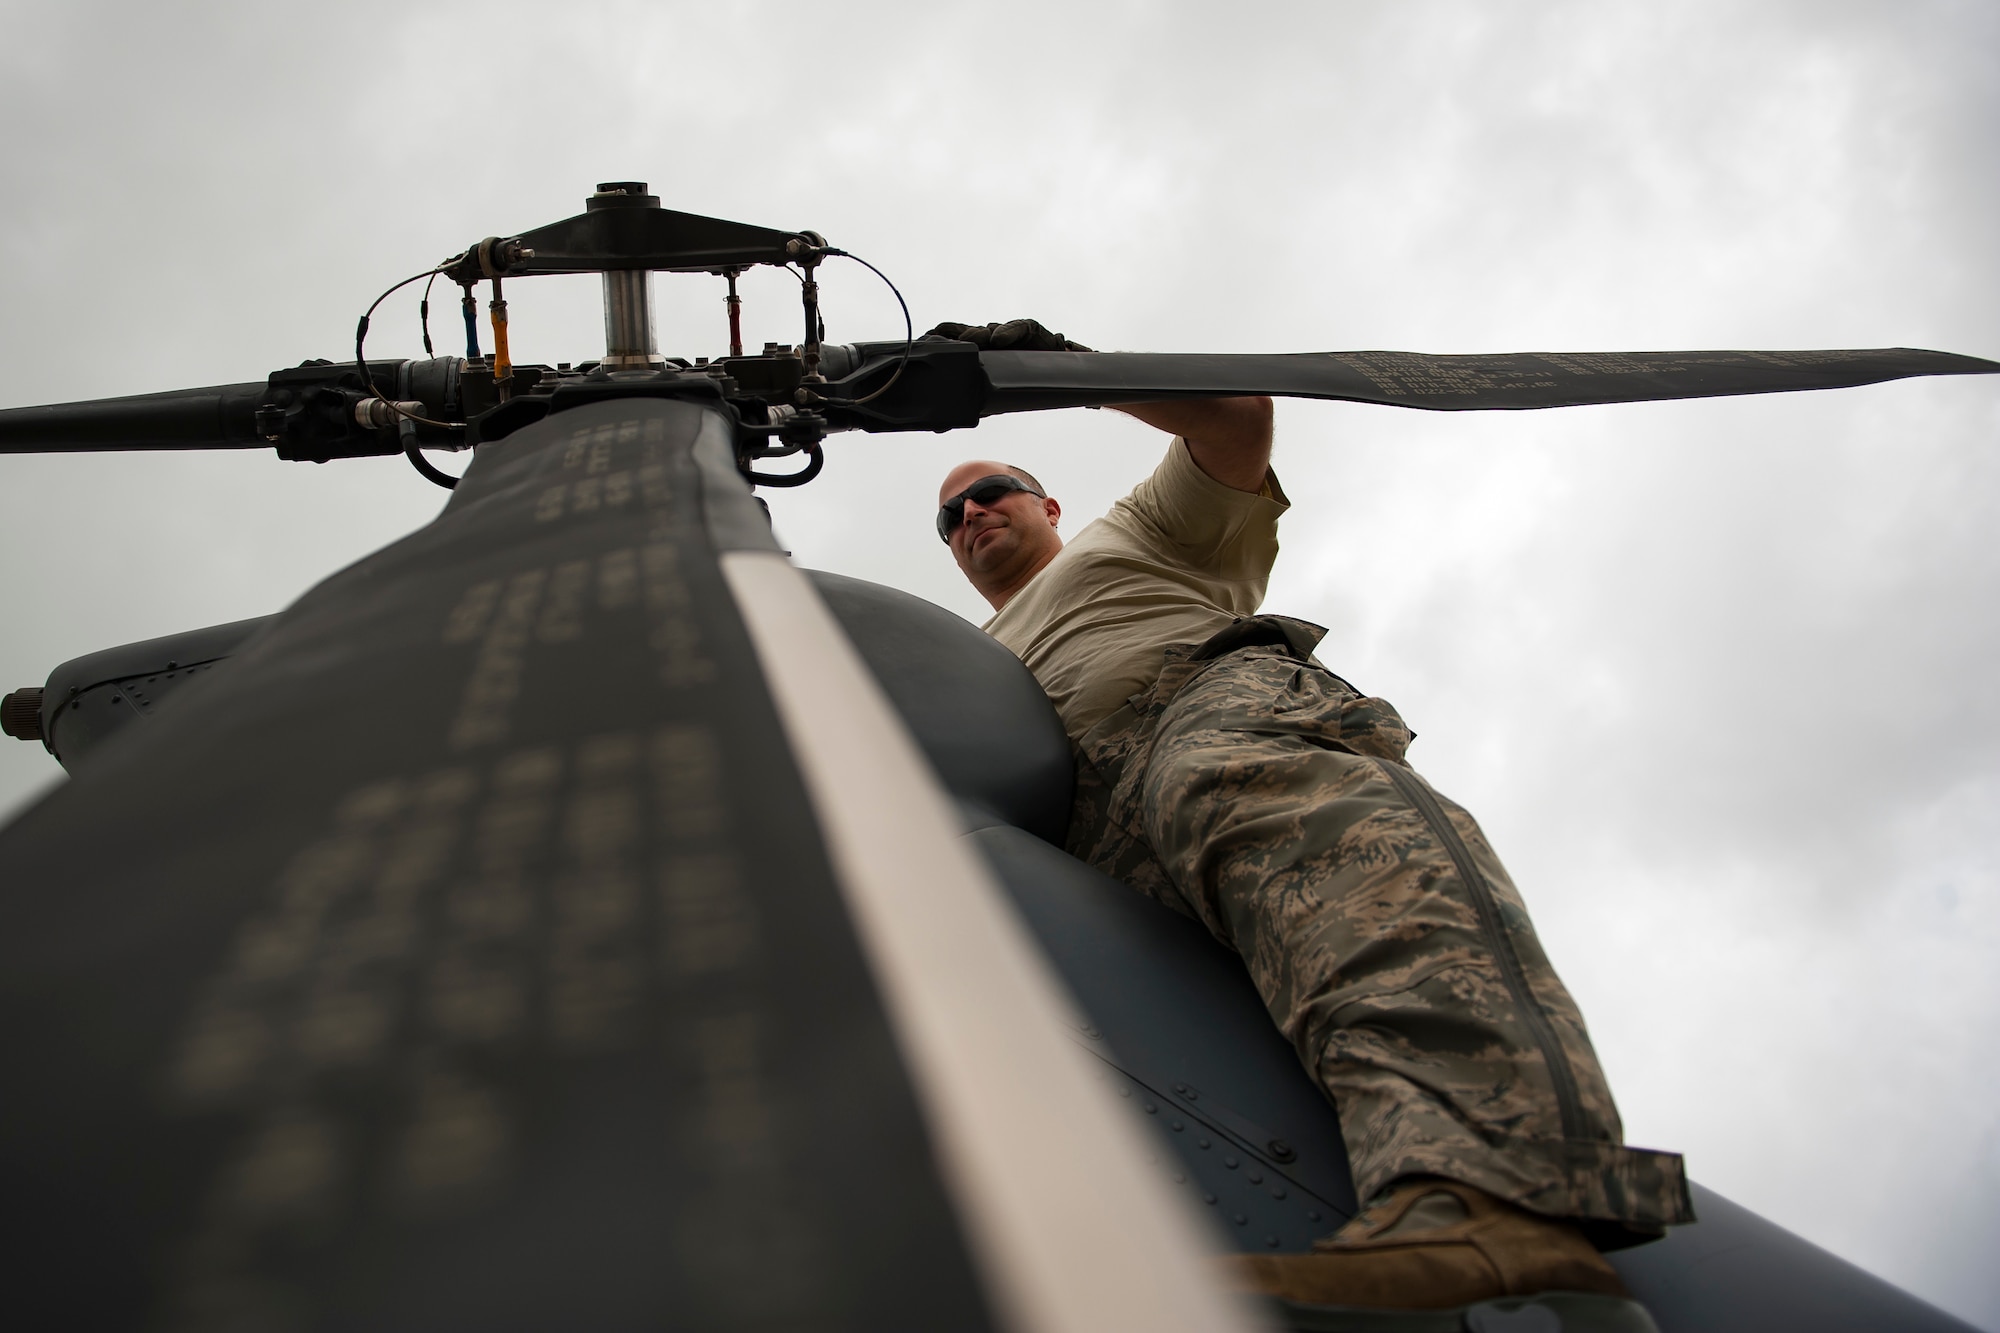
(966, 473)
(1000, 546)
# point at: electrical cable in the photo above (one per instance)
(424, 315)
(909, 334)
(410, 449)
(361, 358)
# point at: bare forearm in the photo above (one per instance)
(1229, 438)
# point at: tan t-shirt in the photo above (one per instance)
(1173, 562)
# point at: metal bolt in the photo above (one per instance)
(1254, 1176)
(1229, 1161)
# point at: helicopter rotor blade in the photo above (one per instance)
(1039, 381)
(221, 416)
(553, 881)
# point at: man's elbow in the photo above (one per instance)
(1249, 422)
(1258, 414)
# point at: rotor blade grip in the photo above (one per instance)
(221, 416)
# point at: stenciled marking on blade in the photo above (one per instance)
(708, 926)
(588, 495)
(561, 620)
(596, 451)
(710, 955)
(470, 615)
(458, 913)
(312, 974)
(733, 1125)
(675, 638)
(1420, 376)
(485, 709)
(597, 963)
(476, 990)
(557, 898)
(617, 579)
(312, 999)
(1407, 375)
(506, 616)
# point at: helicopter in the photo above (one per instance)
(645, 940)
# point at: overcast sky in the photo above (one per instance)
(1717, 677)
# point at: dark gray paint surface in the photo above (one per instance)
(1734, 1272)
(981, 719)
(1172, 1014)
(90, 699)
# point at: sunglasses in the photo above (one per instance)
(984, 492)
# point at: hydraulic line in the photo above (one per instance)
(809, 297)
(503, 367)
(470, 308)
(735, 305)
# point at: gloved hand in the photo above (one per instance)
(1016, 335)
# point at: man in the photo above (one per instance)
(1225, 771)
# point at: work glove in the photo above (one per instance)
(1016, 335)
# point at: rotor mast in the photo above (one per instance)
(629, 340)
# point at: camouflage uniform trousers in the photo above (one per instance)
(1260, 793)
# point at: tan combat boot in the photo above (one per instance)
(1432, 1245)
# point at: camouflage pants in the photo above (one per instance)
(1260, 793)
